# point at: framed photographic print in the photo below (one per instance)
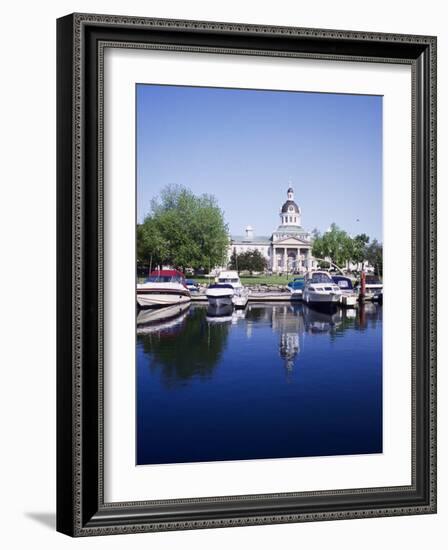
(246, 274)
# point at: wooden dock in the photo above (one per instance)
(274, 297)
(269, 297)
(257, 297)
(198, 298)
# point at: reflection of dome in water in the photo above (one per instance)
(289, 348)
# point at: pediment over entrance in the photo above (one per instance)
(292, 241)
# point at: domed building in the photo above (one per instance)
(289, 246)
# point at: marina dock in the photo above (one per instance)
(270, 297)
(256, 297)
(264, 297)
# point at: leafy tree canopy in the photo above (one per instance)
(183, 230)
(251, 260)
(359, 252)
(374, 256)
(334, 244)
(340, 248)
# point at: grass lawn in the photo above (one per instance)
(256, 280)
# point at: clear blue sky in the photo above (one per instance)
(245, 146)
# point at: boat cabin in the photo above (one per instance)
(166, 276)
(318, 277)
(344, 283)
(230, 277)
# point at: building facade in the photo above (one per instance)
(288, 248)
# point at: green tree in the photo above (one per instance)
(233, 264)
(375, 256)
(152, 246)
(183, 230)
(251, 260)
(359, 249)
(334, 244)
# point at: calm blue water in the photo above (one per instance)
(273, 381)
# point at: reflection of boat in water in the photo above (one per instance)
(320, 289)
(164, 287)
(239, 314)
(153, 320)
(319, 321)
(220, 314)
(351, 314)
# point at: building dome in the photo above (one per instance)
(290, 206)
(290, 213)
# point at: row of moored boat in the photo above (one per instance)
(169, 287)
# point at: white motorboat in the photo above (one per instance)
(295, 287)
(219, 295)
(229, 278)
(320, 289)
(349, 296)
(240, 293)
(373, 287)
(164, 287)
(240, 297)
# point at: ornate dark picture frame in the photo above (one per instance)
(81, 509)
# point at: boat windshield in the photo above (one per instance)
(319, 278)
(227, 280)
(343, 282)
(164, 279)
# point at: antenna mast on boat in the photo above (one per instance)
(331, 263)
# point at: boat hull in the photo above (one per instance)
(161, 298)
(220, 301)
(240, 301)
(296, 294)
(322, 298)
(220, 297)
(349, 300)
(240, 298)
